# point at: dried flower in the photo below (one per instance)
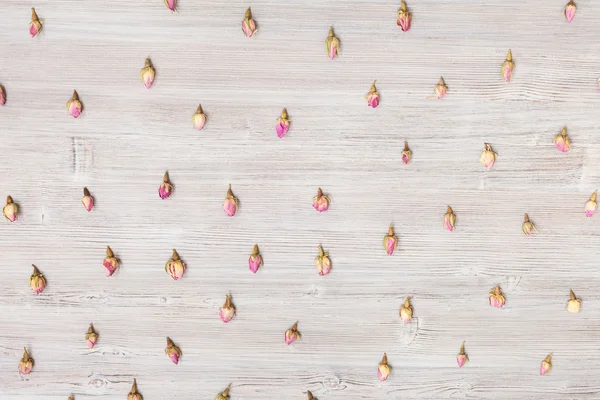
(406, 153)
(26, 364)
(227, 311)
(310, 395)
(148, 72)
(574, 304)
(546, 365)
(35, 26)
(231, 203)
(461, 357)
(175, 267)
(333, 44)
(248, 24)
(321, 202)
(449, 219)
(283, 124)
(390, 241)
(166, 187)
(2, 96)
(373, 96)
(87, 200)
(562, 141)
(590, 205)
(598, 82)
(488, 157)
(171, 4)
(292, 334)
(91, 336)
(570, 9)
(10, 210)
(199, 118)
(173, 351)
(406, 311)
(497, 299)
(134, 395)
(110, 263)
(404, 17)
(440, 89)
(224, 395)
(37, 281)
(74, 106)
(383, 369)
(528, 226)
(323, 262)
(255, 261)
(508, 66)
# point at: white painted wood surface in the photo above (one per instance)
(128, 136)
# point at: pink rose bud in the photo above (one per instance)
(166, 187)
(230, 204)
(248, 24)
(406, 153)
(449, 219)
(440, 89)
(10, 210)
(488, 157)
(497, 299)
(2, 96)
(574, 304)
(546, 365)
(590, 205)
(110, 263)
(255, 261)
(283, 124)
(373, 96)
(26, 364)
(462, 357)
(171, 4)
(173, 351)
(390, 241)
(199, 119)
(333, 45)
(507, 67)
(37, 281)
(227, 311)
(134, 395)
(35, 26)
(406, 311)
(292, 334)
(570, 11)
(323, 262)
(404, 17)
(321, 202)
(224, 395)
(175, 267)
(74, 106)
(562, 141)
(148, 73)
(528, 227)
(87, 200)
(91, 337)
(383, 369)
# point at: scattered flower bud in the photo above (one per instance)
(26, 364)
(310, 395)
(134, 395)
(227, 311)
(255, 261)
(488, 157)
(74, 106)
(562, 141)
(166, 187)
(574, 304)
(497, 299)
(173, 351)
(323, 262)
(230, 204)
(449, 219)
(404, 17)
(406, 311)
(320, 201)
(10, 210)
(248, 24)
(35, 26)
(87, 200)
(546, 365)
(390, 241)
(373, 96)
(570, 9)
(283, 124)
(199, 118)
(171, 4)
(37, 281)
(528, 226)
(175, 267)
(383, 369)
(406, 153)
(461, 357)
(508, 66)
(110, 263)
(2, 96)
(590, 205)
(333, 44)
(91, 337)
(440, 89)
(292, 334)
(148, 72)
(224, 395)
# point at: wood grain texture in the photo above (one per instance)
(128, 136)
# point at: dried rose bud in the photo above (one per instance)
(383, 369)
(390, 241)
(173, 351)
(546, 365)
(26, 364)
(134, 395)
(310, 395)
(110, 263)
(373, 96)
(321, 202)
(292, 334)
(230, 204)
(227, 312)
(199, 118)
(74, 106)
(404, 17)
(333, 44)
(488, 157)
(406, 153)
(562, 141)
(497, 299)
(508, 66)
(461, 357)
(166, 187)
(590, 205)
(255, 261)
(37, 281)
(528, 226)
(2, 96)
(406, 311)
(175, 267)
(323, 262)
(10, 210)
(171, 4)
(598, 82)
(148, 73)
(574, 304)
(224, 395)
(87, 200)
(91, 337)
(440, 89)
(283, 124)
(35, 26)
(248, 24)
(570, 9)
(449, 219)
